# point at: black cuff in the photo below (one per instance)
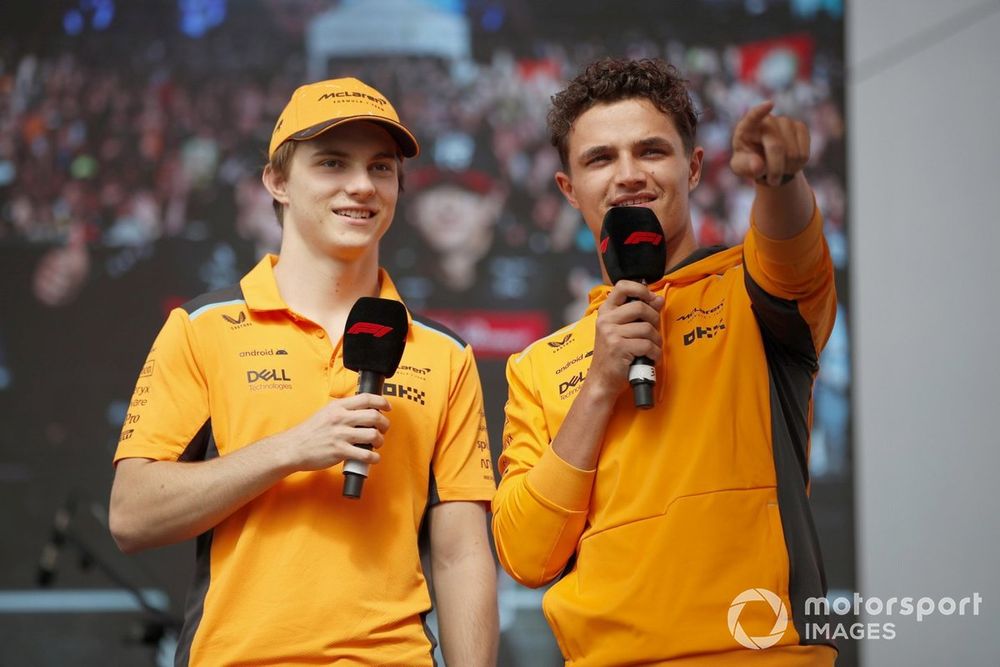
(785, 179)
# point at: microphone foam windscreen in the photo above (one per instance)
(632, 245)
(375, 335)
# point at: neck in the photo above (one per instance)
(321, 287)
(681, 245)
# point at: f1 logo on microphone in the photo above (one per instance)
(644, 237)
(377, 330)
(604, 245)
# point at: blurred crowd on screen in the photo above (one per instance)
(133, 154)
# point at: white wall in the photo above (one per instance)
(925, 183)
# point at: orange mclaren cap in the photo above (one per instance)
(317, 107)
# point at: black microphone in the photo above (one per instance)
(633, 248)
(374, 338)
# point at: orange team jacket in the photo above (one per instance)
(700, 498)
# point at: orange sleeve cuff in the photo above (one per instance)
(559, 484)
(793, 250)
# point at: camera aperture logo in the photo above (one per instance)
(780, 618)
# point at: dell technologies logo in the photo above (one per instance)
(268, 375)
(269, 379)
(571, 386)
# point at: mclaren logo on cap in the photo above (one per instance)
(352, 93)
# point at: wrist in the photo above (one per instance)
(785, 180)
(599, 392)
(283, 453)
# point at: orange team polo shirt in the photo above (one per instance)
(301, 574)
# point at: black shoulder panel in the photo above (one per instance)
(437, 326)
(231, 293)
(781, 320)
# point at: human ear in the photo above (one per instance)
(694, 167)
(276, 184)
(565, 184)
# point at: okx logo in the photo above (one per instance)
(698, 333)
(756, 596)
(402, 391)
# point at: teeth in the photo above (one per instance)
(633, 202)
(350, 213)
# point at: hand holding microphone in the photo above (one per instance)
(374, 339)
(633, 250)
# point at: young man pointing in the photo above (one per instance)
(657, 522)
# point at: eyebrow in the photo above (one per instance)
(330, 152)
(595, 151)
(658, 142)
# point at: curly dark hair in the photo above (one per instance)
(612, 80)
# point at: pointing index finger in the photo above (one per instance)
(748, 128)
(759, 112)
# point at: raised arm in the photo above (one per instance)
(772, 150)
(789, 273)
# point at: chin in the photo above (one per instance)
(353, 247)
(348, 253)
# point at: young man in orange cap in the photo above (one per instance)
(680, 534)
(244, 413)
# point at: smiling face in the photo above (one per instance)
(340, 193)
(629, 153)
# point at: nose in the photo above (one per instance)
(360, 184)
(629, 173)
